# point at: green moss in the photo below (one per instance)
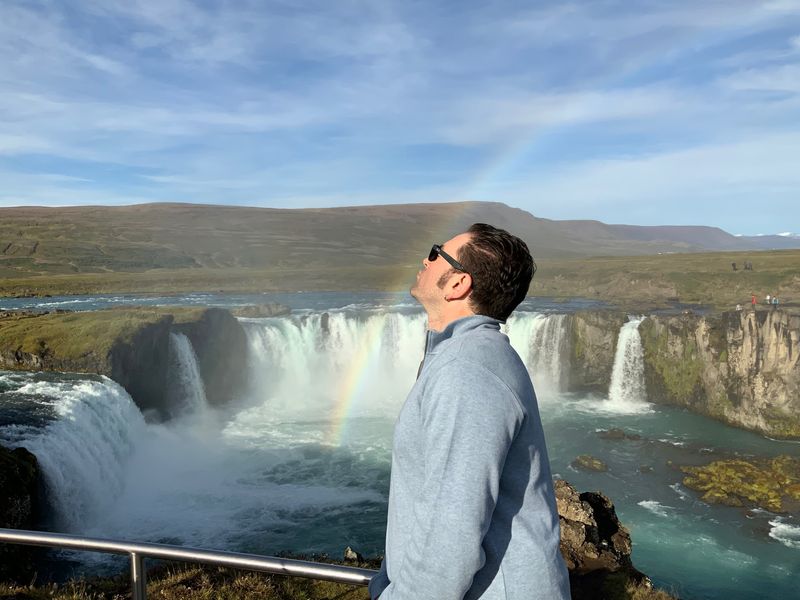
(773, 484)
(74, 336)
(677, 376)
(781, 424)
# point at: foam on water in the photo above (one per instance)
(655, 507)
(784, 532)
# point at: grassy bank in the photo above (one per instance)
(75, 336)
(693, 278)
(212, 583)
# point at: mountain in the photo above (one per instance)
(89, 239)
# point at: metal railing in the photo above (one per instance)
(139, 551)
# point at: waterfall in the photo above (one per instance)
(186, 389)
(84, 452)
(539, 340)
(626, 393)
(320, 366)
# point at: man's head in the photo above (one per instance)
(492, 274)
(501, 267)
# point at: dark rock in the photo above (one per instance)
(220, 343)
(595, 545)
(273, 309)
(585, 462)
(351, 555)
(591, 343)
(615, 433)
(19, 493)
(140, 366)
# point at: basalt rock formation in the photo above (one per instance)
(595, 545)
(132, 347)
(739, 367)
(592, 341)
(19, 484)
(220, 343)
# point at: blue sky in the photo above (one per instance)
(671, 112)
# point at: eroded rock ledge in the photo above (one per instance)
(131, 346)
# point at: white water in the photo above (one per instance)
(626, 394)
(539, 340)
(360, 366)
(187, 392)
(84, 453)
(785, 533)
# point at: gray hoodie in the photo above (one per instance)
(471, 506)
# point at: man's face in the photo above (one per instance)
(429, 285)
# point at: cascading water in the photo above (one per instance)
(335, 365)
(539, 340)
(83, 453)
(626, 394)
(186, 391)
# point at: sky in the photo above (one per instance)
(649, 113)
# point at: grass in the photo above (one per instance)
(179, 248)
(75, 336)
(638, 280)
(192, 583)
(218, 583)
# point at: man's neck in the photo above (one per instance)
(437, 322)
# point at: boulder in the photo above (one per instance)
(585, 462)
(595, 545)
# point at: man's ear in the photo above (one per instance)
(460, 286)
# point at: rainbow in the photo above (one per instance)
(367, 357)
(352, 382)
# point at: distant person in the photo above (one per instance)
(739, 307)
(733, 264)
(769, 301)
(472, 512)
(753, 301)
(774, 302)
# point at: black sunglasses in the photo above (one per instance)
(436, 251)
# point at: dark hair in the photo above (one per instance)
(501, 267)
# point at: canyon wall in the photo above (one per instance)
(739, 367)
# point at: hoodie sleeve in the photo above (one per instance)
(470, 418)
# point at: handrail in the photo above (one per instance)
(138, 551)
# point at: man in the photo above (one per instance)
(471, 506)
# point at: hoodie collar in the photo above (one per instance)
(457, 328)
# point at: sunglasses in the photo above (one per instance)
(436, 251)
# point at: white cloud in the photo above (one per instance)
(731, 180)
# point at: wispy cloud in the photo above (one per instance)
(355, 102)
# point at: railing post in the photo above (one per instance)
(138, 577)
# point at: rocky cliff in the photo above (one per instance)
(591, 343)
(739, 367)
(132, 347)
(19, 492)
